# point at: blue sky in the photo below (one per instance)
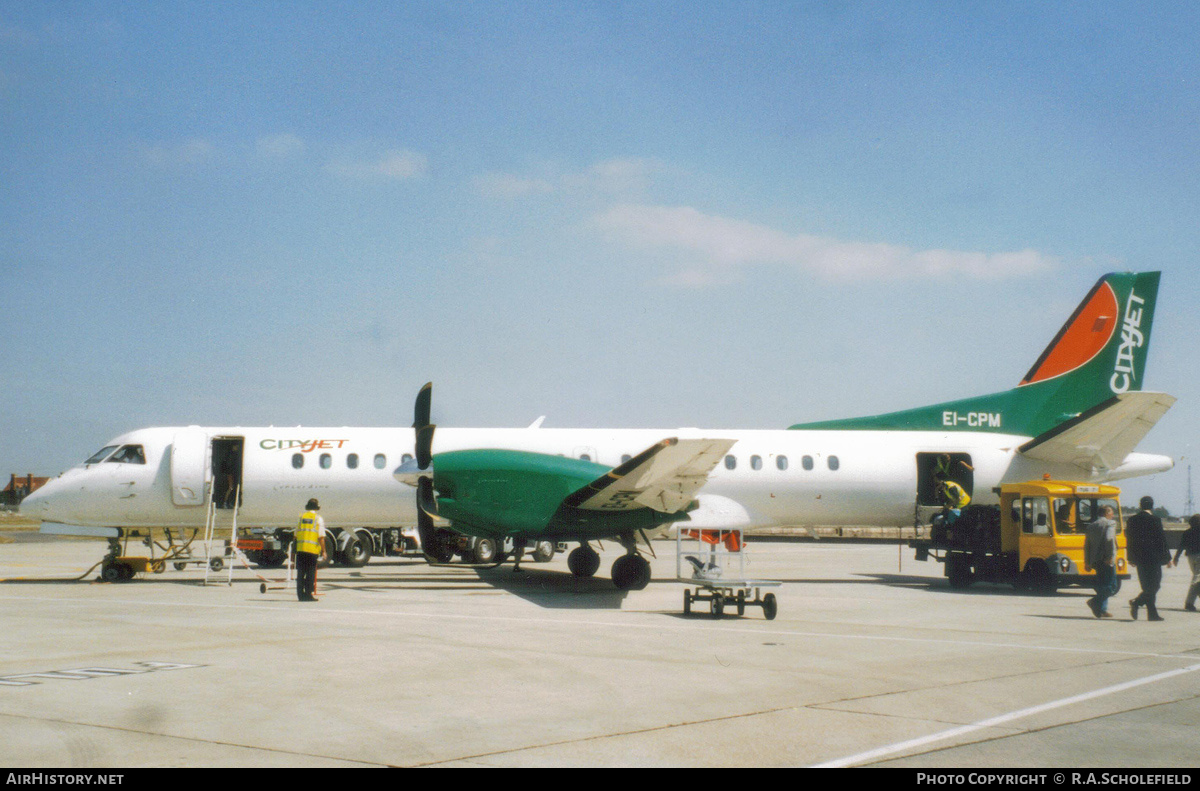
(736, 215)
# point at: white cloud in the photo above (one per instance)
(399, 164)
(718, 249)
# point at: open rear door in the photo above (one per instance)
(952, 466)
(189, 466)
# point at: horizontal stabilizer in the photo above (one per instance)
(1101, 438)
(665, 477)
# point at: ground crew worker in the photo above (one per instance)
(954, 499)
(310, 542)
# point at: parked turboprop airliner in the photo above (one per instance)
(1077, 414)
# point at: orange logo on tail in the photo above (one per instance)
(1088, 332)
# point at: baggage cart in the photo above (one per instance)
(715, 562)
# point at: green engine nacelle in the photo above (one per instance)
(498, 493)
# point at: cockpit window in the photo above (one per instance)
(129, 454)
(100, 455)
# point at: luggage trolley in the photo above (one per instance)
(715, 562)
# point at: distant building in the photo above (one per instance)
(18, 487)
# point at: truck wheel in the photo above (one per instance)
(216, 564)
(484, 551)
(356, 554)
(543, 551)
(1037, 577)
(959, 573)
(272, 558)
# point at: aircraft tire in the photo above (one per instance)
(583, 561)
(110, 572)
(631, 572)
(543, 551)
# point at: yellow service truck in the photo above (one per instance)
(1033, 539)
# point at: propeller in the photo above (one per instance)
(419, 472)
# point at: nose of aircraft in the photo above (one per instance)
(35, 504)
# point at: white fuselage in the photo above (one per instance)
(781, 477)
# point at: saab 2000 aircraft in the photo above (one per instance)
(1077, 414)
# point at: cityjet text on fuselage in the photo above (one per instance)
(302, 445)
(1131, 338)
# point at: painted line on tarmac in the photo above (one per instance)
(689, 627)
(992, 722)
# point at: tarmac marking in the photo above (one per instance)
(992, 722)
(690, 626)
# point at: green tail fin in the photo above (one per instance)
(1100, 352)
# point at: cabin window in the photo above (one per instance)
(101, 454)
(625, 457)
(129, 454)
(352, 461)
(731, 462)
(807, 462)
(326, 461)
(297, 460)
(781, 462)
(756, 462)
(834, 463)
(380, 461)
(407, 457)
(585, 457)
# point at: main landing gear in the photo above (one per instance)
(629, 572)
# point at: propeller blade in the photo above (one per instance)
(425, 445)
(424, 428)
(421, 409)
(426, 508)
(426, 502)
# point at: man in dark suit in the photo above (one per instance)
(1146, 547)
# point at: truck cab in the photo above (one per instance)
(1033, 540)
(1045, 523)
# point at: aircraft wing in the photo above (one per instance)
(665, 477)
(1103, 436)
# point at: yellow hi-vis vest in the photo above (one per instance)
(308, 538)
(954, 495)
